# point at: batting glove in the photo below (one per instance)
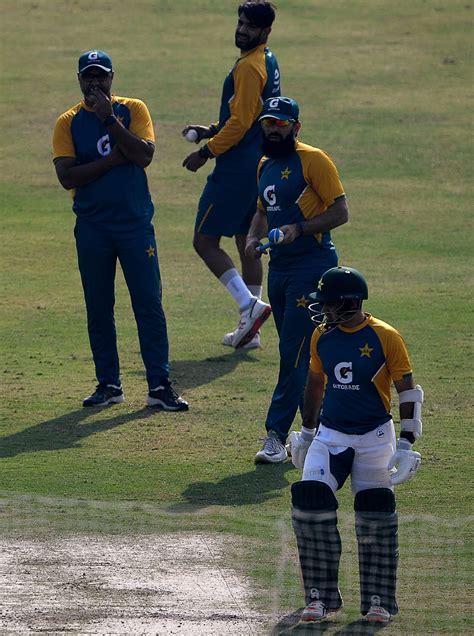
(404, 463)
(298, 445)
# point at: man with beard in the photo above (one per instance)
(300, 193)
(227, 203)
(101, 148)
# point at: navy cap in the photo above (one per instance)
(280, 108)
(95, 58)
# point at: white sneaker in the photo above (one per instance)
(272, 451)
(251, 319)
(377, 613)
(314, 612)
(253, 344)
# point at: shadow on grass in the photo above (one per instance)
(290, 624)
(252, 487)
(65, 431)
(188, 374)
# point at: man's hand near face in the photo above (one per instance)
(100, 103)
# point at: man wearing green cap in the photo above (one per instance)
(101, 148)
(299, 192)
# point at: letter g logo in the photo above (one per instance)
(269, 195)
(103, 146)
(343, 372)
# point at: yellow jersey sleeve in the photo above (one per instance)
(260, 206)
(245, 106)
(320, 173)
(63, 145)
(396, 355)
(141, 124)
(315, 363)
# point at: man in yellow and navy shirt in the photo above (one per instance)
(299, 191)
(101, 148)
(348, 431)
(227, 203)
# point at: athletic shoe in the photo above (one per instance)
(272, 451)
(251, 319)
(314, 612)
(104, 394)
(165, 397)
(252, 344)
(377, 613)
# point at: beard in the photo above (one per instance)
(277, 149)
(246, 44)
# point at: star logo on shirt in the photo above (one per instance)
(301, 302)
(285, 173)
(150, 251)
(365, 350)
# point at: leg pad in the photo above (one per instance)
(313, 496)
(377, 537)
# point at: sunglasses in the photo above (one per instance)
(101, 77)
(279, 123)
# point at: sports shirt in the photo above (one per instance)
(359, 365)
(296, 188)
(254, 78)
(119, 199)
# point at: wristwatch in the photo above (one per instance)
(205, 153)
(109, 120)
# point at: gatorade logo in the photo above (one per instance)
(103, 146)
(343, 372)
(344, 377)
(274, 103)
(269, 195)
(93, 55)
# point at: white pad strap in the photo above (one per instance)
(413, 425)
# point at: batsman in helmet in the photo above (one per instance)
(348, 431)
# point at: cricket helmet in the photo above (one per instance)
(340, 283)
(339, 287)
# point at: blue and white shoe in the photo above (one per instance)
(104, 395)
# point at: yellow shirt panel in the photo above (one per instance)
(250, 77)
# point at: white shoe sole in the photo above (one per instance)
(258, 322)
(264, 459)
(160, 404)
(117, 399)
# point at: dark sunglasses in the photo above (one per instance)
(101, 77)
(279, 123)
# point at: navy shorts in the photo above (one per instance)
(227, 204)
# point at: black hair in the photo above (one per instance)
(262, 13)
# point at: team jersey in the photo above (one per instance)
(359, 365)
(254, 78)
(120, 199)
(296, 188)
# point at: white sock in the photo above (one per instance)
(256, 290)
(233, 282)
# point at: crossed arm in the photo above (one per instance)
(128, 149)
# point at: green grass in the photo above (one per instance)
(384, 88)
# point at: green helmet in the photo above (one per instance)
(340, 283)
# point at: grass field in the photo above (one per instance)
(385, 88)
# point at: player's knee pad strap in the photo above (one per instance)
(313, 495)
(375, 500)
